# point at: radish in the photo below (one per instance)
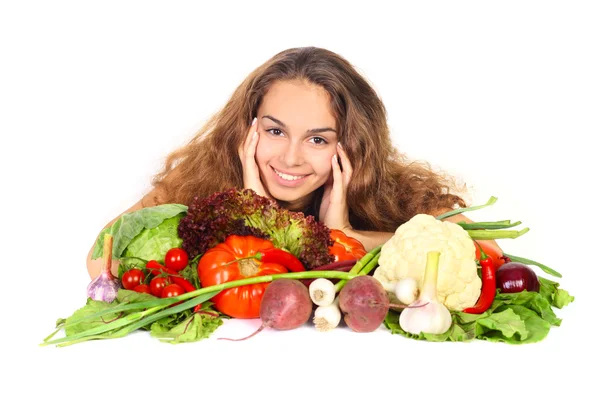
(365, 303)
(285, 305)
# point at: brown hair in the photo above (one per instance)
(385, 190)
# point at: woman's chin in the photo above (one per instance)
(296, 198)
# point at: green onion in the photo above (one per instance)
(363, 266)
(545, 268)
(491, 201)
(488, 225)
(483, 234)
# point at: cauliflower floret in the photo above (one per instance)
(405, 256)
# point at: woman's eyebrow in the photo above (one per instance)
(312, 131)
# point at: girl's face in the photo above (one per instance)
(298, 137)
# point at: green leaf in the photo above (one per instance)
(190, 272)
(537, 328)
(562, 298)
(192, 328)
(129, 297)
(558, 297)
(91, 307)
(507, 322)
(531, 300)
(129, 225)
(153, 243)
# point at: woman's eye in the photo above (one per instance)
(275, 131)
(319, 141)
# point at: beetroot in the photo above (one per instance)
(286, 304)
(364, 303)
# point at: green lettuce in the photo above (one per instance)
(147, 233)
(187, 326)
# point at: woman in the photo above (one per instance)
(308, 130)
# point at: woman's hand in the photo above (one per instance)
(247, 152)
(334, 208)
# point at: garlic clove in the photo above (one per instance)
(407, 290)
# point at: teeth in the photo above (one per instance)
(287, 176)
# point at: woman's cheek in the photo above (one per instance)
(261, 154)
(323, 165)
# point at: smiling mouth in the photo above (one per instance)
(288, 177)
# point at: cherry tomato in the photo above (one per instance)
(176, 259)
(157, 285)
(172, 290)
(142, 288)
(132, 278)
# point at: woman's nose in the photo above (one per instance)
(293, 155)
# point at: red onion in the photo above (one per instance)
(105, 286)
(515, 277)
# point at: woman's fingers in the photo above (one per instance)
(341, 174)
(346, 166)
(334, 207)
(247, 154)
(337, 192)
(244, 147)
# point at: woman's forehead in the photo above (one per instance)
(298, 104)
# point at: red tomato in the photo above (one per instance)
(176, 259)
(157, 285)
(344, 247)
(132, 278)
(172, 290)
(213, 268)
(142, 288)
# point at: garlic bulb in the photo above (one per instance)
(433, 317)
(106, 286)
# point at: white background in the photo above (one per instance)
(502, 95)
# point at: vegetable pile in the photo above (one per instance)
(184, 270)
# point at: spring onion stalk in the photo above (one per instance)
(156, 309)
(363, 266)
(488, 225)
(484, 234)
(545, 268)
(491, 201)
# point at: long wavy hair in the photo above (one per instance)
(386, 188)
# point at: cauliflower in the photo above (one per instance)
(405, 256)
